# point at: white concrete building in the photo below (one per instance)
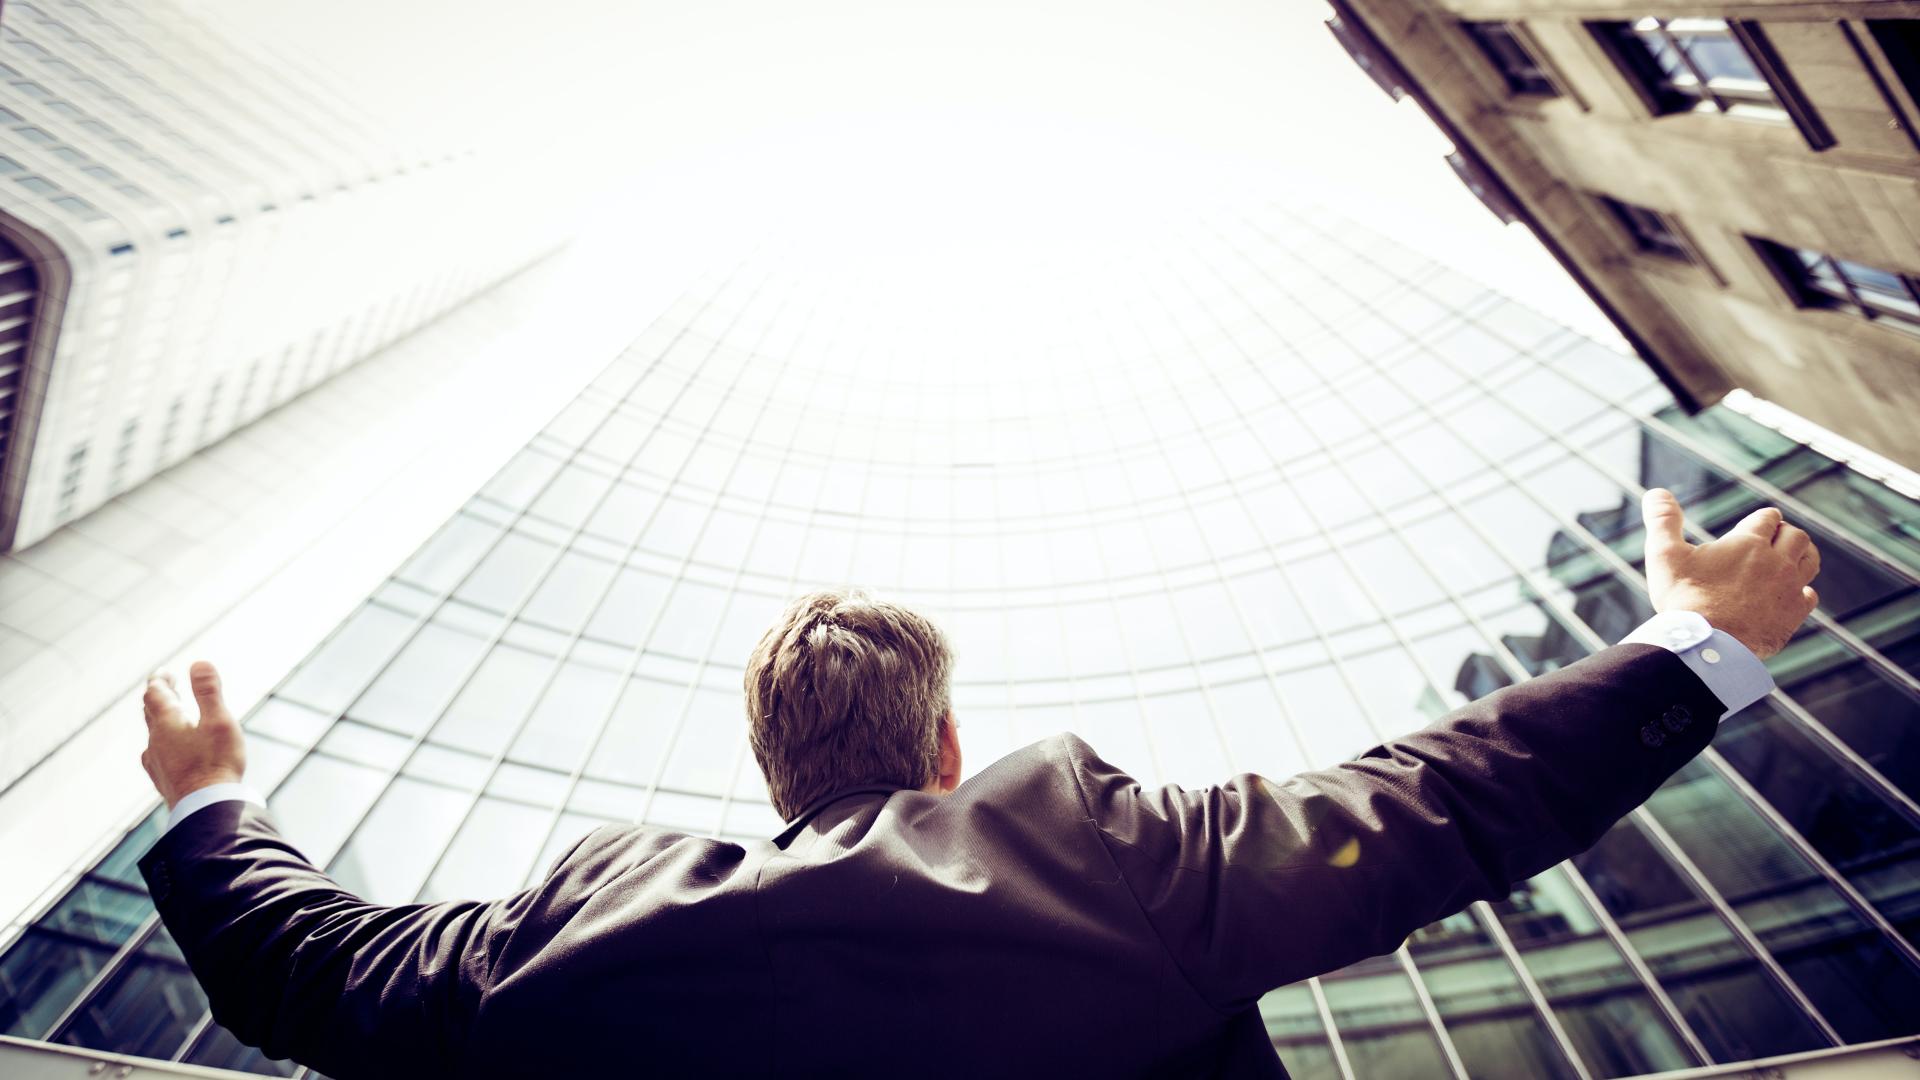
(192, 234)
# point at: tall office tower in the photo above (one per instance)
(191, 234)
(1738, 189)
(1254, 501)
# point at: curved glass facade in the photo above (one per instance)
(1281, 493)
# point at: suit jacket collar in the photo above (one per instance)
(806, 816)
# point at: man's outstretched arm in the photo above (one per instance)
(1258, 883)
(291, 962)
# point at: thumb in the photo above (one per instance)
(1666, 535)
(206, 690)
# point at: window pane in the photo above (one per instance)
(217, 1048)
(60, 954)
(712, 736)
(567, 717)
(388, 857)
(629, 608)
(688, 620)
(1862, 987)
(146, 1008)
(507, 573)
(1487, 1013)
(1294, 1026)
(410, 693)
(1853, 826)
(638, 735)
(491, 855)
(1719, 56)
(495, 700)
(1183, 736)
(321, 801)
(340, 668)
(1606, 1011)
(1380, 1022)
(570, 592)
(1737, 1010)
(442, 561)
(120, 865)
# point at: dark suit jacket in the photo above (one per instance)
(1051, 917)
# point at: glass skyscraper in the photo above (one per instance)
(1275, 494)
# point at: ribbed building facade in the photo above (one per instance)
(193, 232)
(1275, 494)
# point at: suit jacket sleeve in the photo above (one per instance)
(303, 969)
(1258, 883)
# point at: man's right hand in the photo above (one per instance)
(1750, 583)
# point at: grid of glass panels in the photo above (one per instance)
(1276, 494)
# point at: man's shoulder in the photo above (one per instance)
(1045, 771)
(611, 850)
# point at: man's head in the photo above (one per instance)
(846, 690)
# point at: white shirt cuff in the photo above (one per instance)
(207, 796)
(1730, 670)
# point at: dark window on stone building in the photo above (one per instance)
(1511, 57)
(1688, 64)
(1900, 40)
(1816, 279)
(1650, 230)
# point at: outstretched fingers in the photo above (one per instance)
(206, 690)
(160, 703)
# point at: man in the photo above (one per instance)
(1049, 917)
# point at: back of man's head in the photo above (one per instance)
(846, 690)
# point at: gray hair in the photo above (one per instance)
(845, 690)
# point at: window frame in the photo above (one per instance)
(1670, 242)
(1796, 270)
(1535, 79)
(1776, 96)
(1899, 42)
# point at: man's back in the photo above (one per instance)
(884, 927)
(1049, 915)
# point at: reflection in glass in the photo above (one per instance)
(61, 953)
(1851, 824)
(1863, 987)
(1487, 1012)
(1608, 1014)
(146, 1008)
(217, 1048)
(1735, 1008)
(1294, 1026)
(1380, 1023)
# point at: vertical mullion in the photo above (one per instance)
(1699, 77)
(1334, 1041)
(1718, 901)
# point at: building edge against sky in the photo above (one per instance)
(1739, 190)
(195, 234)
(1365, 490)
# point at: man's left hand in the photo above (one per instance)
(182, 755)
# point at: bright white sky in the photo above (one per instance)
(965, 126)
